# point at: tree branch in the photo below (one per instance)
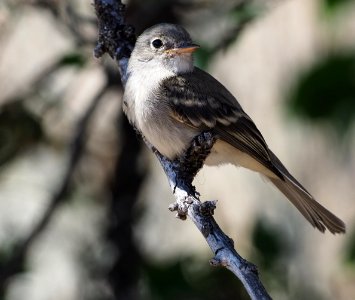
(117, 39)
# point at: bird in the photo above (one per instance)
(170, 101)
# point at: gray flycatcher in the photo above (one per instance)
(170, 101)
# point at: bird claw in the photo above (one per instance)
(207, 208)
(193, 159)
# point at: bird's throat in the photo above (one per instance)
(180, 63)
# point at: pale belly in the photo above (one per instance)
(224, 153)
(172, 138)
(168, 136)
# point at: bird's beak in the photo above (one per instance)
(181, 50)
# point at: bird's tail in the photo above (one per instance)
(316, 214)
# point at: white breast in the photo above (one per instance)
(152, 117)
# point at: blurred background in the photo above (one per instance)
(83, 203)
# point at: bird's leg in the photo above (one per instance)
(187, 166)
(182, 171)
(193, 159)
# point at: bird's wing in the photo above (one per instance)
(198, 100)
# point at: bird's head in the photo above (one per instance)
(165, 45)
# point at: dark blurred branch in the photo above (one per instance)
(125, 186)
(15, 263)
(117, 39)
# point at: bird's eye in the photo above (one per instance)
(157, 43)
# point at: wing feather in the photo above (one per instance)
(200, 101)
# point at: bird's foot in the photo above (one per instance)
(207, 208)
(193, 159)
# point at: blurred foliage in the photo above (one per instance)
(245, 12)
(203, 56)
(271, 250)
(272, 256)
(350, 252)
(326, 92)
(191, 280)
(269, 244)
(241, 14)
(6, 250)
(19, 129)
(333, 5)
(73, 59)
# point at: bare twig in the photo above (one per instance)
(117, 39)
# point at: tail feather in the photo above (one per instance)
(315, 213)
